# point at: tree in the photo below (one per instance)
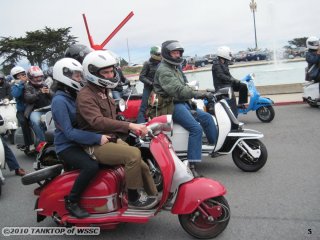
(123, 62)
(298, 42)
(40, 47)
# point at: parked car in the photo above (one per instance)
(195, 61)
(210, 57)
(240, 57)
(200, 62)
(256, 56)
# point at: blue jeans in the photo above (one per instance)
(37, 126)
(116, 95)
(144, 105)
(182, 116)
(9, 157)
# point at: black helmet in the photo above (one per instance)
(167, 47)
(77, 52)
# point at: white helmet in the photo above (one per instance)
(16, 70)
(312, 43)
(94, 62)
(63, 71)
(224, 52)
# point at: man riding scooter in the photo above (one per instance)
(174, 97)
(222, 78)
(37, 95)
(313, 60)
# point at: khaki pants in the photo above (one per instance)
(137, 172)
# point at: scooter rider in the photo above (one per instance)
(147, 76)
(171, 87)
(68, 139)
(11, 160)
(96, 111)
(313, 57)
(77, 52)
(222, 78)
(17, 90)
(36, 95)
(5, 88)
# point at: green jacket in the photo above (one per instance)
(170, 86)
(169, 81)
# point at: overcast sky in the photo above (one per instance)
(200, 25)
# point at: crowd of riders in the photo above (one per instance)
(81, 90)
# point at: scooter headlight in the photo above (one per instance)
(121, 104)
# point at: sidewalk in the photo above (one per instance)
(285, 99)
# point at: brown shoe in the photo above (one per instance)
(20, 172)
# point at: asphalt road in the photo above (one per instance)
(281, 201)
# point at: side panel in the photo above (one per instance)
(101, 196)
(193, 193)
(179, 138)
(224, 125)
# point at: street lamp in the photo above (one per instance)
(253, 7)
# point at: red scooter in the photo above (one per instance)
(202, 210)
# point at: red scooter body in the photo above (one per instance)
(106, 200)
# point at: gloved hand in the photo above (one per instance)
(200, 94)
(203, 94)
(209, 95)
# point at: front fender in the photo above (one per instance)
(264, 101)
(192, 193)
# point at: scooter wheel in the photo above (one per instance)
(265, 114)
(244, 162)
(202, 227)
(43, 174)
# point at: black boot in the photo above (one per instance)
(74, 209)
(193, 170)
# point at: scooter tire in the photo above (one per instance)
(244, 163)
(43, 174)
(197, 226)
(265, 114)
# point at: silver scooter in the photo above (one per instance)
(8, 111)
(311, 93)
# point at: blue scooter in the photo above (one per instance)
(262, 105)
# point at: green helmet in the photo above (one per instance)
(155, 53)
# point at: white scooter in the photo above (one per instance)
(311, 93)
(2, 158)
(8, 111)
(248, 152)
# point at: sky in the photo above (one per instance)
(200, 25)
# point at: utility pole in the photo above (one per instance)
(253, 7)
(128, 52)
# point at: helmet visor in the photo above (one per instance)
(174, 46)
(314, 43)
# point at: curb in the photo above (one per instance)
(288, 103)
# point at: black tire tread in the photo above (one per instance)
(42, 174)
(248, 167)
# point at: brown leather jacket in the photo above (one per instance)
(96, 111)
